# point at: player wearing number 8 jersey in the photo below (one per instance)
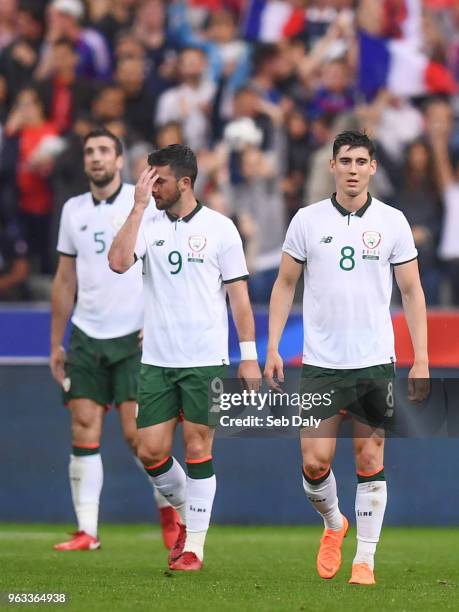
(103, 362)
(349, 246)
(192, 258)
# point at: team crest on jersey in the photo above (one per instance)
(371, 240)
(196, 244)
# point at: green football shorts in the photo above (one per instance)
(104, 371)
(164, 393)
(364, 393)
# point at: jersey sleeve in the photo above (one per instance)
(231, 256)
(65, 242)
(295, 239)
(403, 249)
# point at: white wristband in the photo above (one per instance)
(248, 351)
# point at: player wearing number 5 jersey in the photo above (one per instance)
(192, 258)
(103, 362)
(348, 247)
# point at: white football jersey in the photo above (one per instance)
(109, 305)
(348, 280)
(187, 261)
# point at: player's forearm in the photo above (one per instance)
(242, 311)
(279, 309)
(414, 306)
(62, 301)
(121, 255)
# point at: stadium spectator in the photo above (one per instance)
(64, 21)
(118, 18)
(418, 197)
(66, 95)
(14, 266)
(167, 134)
(8, 15)
(108, 104)
(130, 75)
(333, 95)
(189, 101)
(19, 59)
(439, 125)
(298, 150)
(38, 145)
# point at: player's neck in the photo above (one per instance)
(102, 193)
(351, 203)
(184, 206)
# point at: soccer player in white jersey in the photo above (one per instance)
(348, 247)
(103, 362)
(192, 258)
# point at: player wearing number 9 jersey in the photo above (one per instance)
(348, 247)
(193, 258)
(102, 365)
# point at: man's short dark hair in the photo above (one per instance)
(180, 158)
(101, 131)
(353, 139)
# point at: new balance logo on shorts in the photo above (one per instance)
(326, 239)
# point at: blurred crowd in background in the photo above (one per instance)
(258, 89)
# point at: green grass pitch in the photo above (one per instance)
(246, 568)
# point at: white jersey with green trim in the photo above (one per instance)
(187, 262)
(109, 305)
(348, 280)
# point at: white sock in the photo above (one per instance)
(370, 504)
(324, 498)
(199, 501)
(86, 478)
(161, 502)
(172, 486)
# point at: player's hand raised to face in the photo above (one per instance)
(250, 374)
(144, 187)
(274, 369)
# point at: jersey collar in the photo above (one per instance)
(188, 217)
(358, 213)
(110, 199)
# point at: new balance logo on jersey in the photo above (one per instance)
(158, 243)
(326, 239)
(83, 228)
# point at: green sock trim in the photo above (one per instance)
(78, 451)
(316, 481)
(161, 469)
(378, 476)
(200, 470)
